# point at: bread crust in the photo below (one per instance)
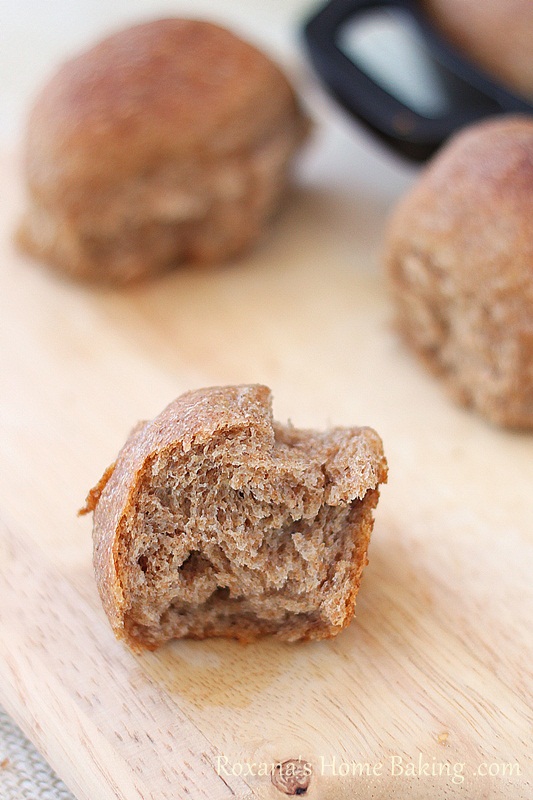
(191, 421)
(166, 142)
(459, 257)
(495, 34)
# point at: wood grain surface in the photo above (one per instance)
(428, 693)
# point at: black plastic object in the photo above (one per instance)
(468, 94)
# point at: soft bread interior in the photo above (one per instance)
(248, 534)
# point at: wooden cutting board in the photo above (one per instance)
(428, 692)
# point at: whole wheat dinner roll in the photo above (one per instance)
(165, 143)
(459, 256)
(217, 521)
(495, 34)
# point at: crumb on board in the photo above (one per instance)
(4, 764)
(442, 738)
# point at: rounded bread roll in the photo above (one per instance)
(459, 256)
(167, 142)
(496, 35)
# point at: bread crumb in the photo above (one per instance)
(442, 738)
(91, 501)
